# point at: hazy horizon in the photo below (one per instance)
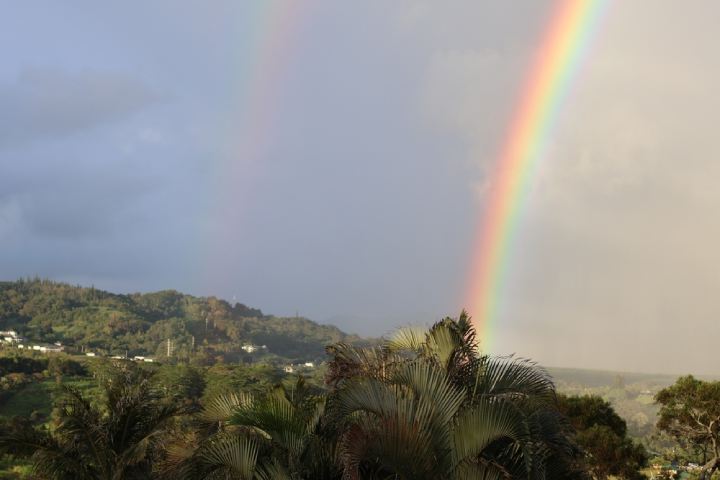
(334, 159)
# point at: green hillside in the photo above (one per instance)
(201, 330)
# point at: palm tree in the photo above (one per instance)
(121, 441)
(239, 436)
(428, 405)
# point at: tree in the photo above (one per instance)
(120, 441)
(426, 406)
(603, 435)
(690, 413)
(430, 406)
(64, 366)
(180, 383)
(276, 436)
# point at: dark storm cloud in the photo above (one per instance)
(70, 201)
(51, 102)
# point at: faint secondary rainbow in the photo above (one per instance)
(268, 36)
(564, 47)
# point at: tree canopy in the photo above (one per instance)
(604, 437)
(690, 413)
(201, 330)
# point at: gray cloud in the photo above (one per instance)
(379, 155)
(71, 199)
(51, 102)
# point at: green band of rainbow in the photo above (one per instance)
(573, 26)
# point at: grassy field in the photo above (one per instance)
(35, 396)
(39, 397)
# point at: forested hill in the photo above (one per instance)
(141, 324)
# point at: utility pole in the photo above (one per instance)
(193, 342)
(206, 322)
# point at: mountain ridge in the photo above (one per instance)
(198, 330)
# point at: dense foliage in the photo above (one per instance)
(202, 330)
(690, 413)
(124, 439)
(604, 437)
(427, 405)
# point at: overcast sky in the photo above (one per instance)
(328, 158)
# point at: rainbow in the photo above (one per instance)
(268, 36)
(573, 26)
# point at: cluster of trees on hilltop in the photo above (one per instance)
(202, 330)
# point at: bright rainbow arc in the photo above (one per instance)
(565, 46)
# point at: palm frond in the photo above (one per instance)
(272, 471)
(237, 454)
(274, 417)
(221, 407)
(506, 376)
(432, 386)
(443, 342)
(489, 421)
(411, 338)
(51, 457)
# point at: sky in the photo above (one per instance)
(332, 159)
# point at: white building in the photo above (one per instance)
(289, 369)
(51, 349)
(253, 348)
(309, 364)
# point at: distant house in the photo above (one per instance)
(309, 364)
(289, 369)
(51, 349)
(148, 359)
(253, 348)
(11, 336)
(36, 347)
(94, 354)
(138, 358)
